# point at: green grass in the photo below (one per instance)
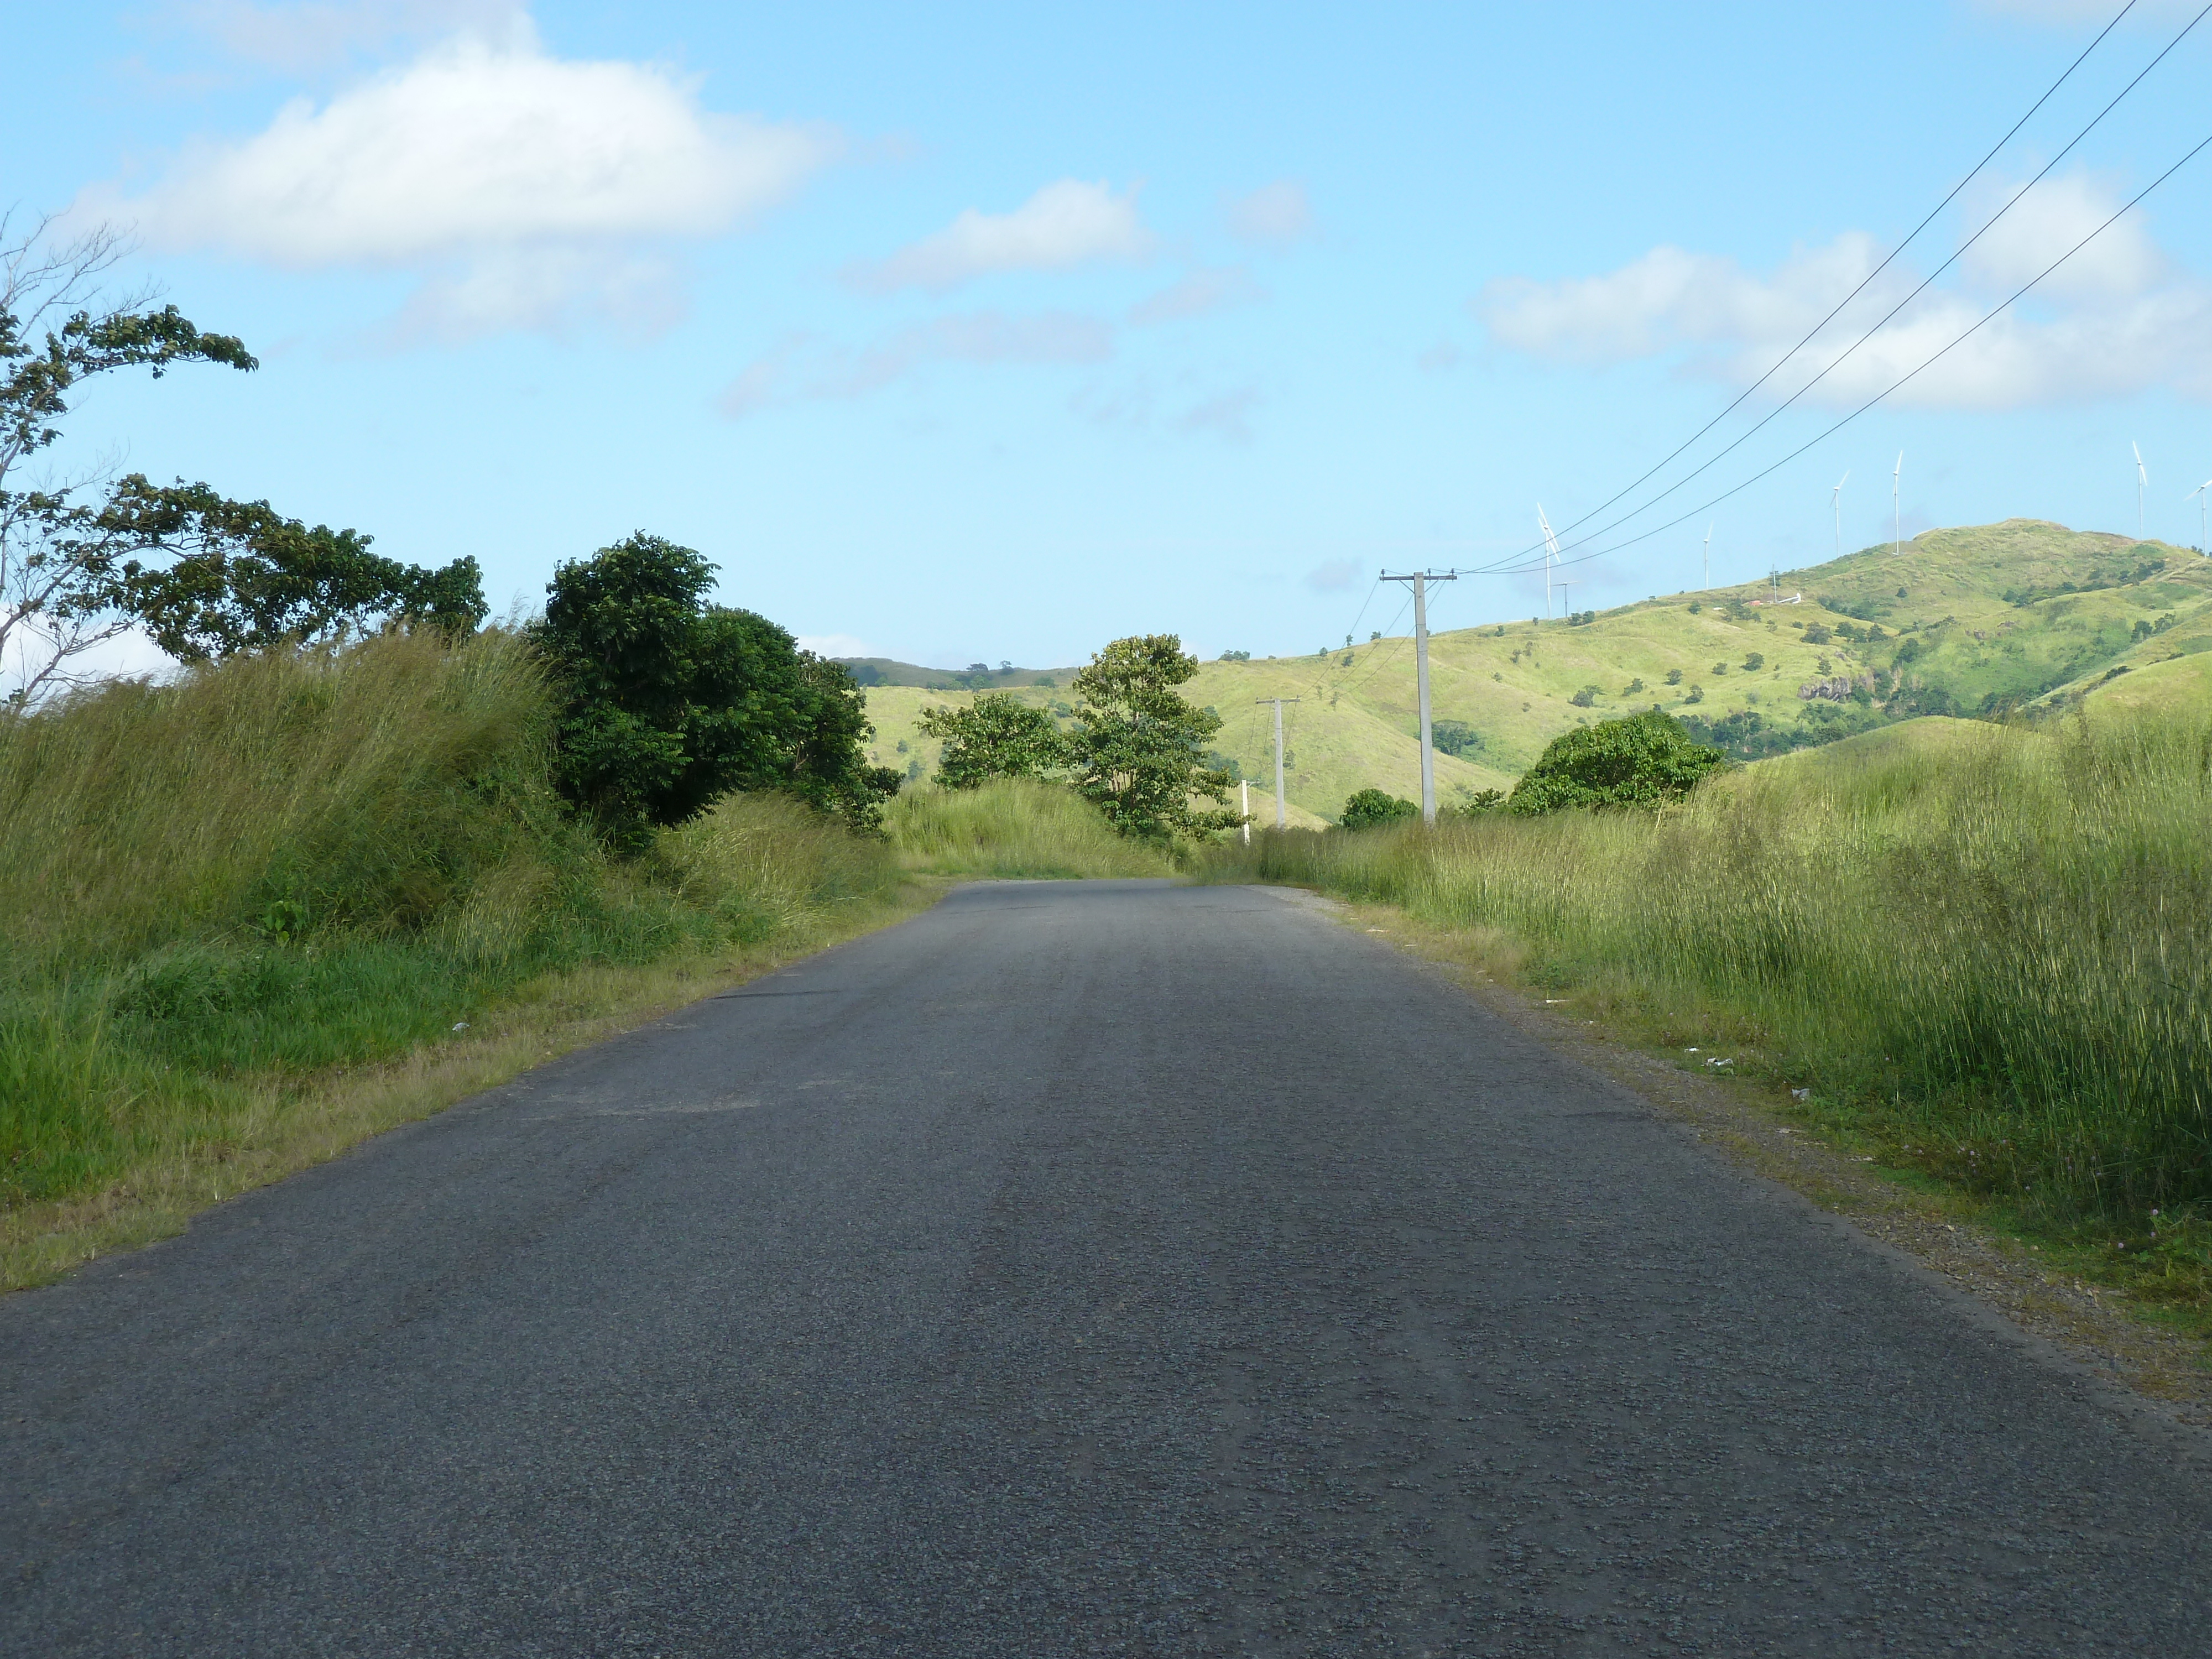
(1013, 827)
(223, 895)
(1982, 621)
(1986, 952)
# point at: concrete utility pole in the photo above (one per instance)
(1420, 580)
(1278, 703)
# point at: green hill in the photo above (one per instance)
(977, 677)
(2020, 615)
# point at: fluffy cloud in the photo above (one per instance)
(1065, 224)
(2117, 318)
(520, 184)
(836, 645)
(1274, 215)
(1211, 289)
(804, 369)
(315, 33)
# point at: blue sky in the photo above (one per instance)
(994, 332)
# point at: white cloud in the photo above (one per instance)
(1064, 225)
(1211, 289)
(1335, 576)
(315, 33)
(804, 369)
(2050, 219)
(1225, 415)
(1274, 215)
(520, 184)
(2116, 319)
(836, 645)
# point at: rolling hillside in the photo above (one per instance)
(2019, 615)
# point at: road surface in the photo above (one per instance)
(1077, 1268)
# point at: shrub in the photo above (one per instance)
(1674, 676)
(670, 703)
(1642, 760)
(998, 736)
(1369, 807)
(1585, 698)
(1754, 663)
(1454, 737)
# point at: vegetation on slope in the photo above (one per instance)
(2022, 615)
(219, 893)
(1014, 828)
(1984, 952)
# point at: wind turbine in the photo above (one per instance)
(1551, 553)
(1840, 483)
(1896, 518)
(2199, 493)
(2142, 478)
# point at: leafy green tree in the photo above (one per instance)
(1367, 808)
(998, 736)
(80, 563)
(1454, 737)
(246, 577)
(1642, 760)
(1138, 749)
(671, 702)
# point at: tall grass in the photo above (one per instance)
(1995, 958)
(217, 891)
(1012, 827)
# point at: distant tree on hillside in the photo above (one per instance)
(1138, 749)
(998, 736)
(1454, 737)
(1368, 807)
(1642, 760)
(671, 702)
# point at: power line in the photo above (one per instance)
(1971, 176)
(1887, 318)
(1989, 317)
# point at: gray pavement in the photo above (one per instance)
(1078, 1268)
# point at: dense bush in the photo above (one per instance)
(997, 736)
(1643, 760)
(669, 702)
(1368, 807)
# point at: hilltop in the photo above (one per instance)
(976, 677)
(2023, 616)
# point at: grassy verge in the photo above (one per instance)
(1984, 968)
(252, 917)
(1014, 827)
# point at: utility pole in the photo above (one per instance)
(1420, 580)
(1244, 804)
(1278, 703)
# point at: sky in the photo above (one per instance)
(980, 332)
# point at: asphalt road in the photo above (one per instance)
(1101, 1268)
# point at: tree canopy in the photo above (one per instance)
(1367, 808)
(206, 576)
(243, 577)
(1642, 760)
(671, 702)
(998, 736)
(1139, 749)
